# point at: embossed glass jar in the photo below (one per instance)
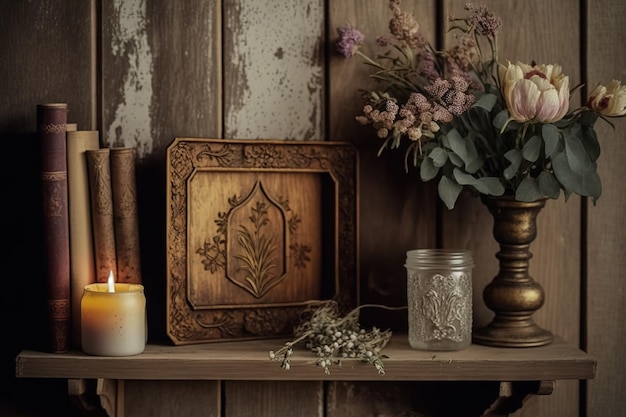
(439, 294)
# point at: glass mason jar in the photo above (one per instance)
(439, 295)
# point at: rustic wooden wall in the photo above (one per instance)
(145, 72)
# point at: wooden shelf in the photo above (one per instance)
(248, 360)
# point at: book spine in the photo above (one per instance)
(51, 126)
(99, 169)
(124, 189)
(82, 263)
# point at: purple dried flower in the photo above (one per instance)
(484, 20)
(382, 41)
(349, 40)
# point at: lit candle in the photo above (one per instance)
(113, 319)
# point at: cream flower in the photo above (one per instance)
(537, 93)
(609, 100)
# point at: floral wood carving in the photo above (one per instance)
(256, 230)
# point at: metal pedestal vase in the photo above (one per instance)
(513, 295)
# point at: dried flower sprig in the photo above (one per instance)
(333, 338)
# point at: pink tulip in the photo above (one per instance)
(538, 93)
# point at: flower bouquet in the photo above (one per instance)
(471, 121)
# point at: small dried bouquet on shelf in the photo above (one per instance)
(334, 338)
(495, 128)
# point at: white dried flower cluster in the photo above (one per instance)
(333, 339)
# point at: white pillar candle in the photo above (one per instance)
(113, 323)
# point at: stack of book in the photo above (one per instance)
(90, 218)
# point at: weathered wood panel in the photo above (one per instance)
(273, 89)
(274, 69)
(161, 73)
(273, 399)
(171, 399)
(529, 33)
(161, 78)
(160, 68)
(606, 239)
(397, 211)
(46, 57)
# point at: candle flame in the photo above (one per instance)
(111, 282)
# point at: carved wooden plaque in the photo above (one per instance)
(256, 230)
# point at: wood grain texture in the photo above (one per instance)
(606, 239)
(528, 33)
(397, 211)
(47, 44)
(161, 73)
(171, 399)
(273, 399)
(273, 89)
(249, 360)
(46, 53)
(273, 69)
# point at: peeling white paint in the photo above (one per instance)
(130, 127)
(274, 55)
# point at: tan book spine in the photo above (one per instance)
(124, 188)
(99, 169)
(51, 127)
(82, 262)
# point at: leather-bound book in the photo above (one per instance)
(99, 169)
(51, 127)
(124, 188)
(82, 262)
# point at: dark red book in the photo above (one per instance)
(51, 127)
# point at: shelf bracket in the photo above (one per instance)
(514, 394)
(108, 390)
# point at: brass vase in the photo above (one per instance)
(513, 295)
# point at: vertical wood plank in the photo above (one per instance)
(273, 89)
(161, 78)
(606, 240)
(171, 399)
(397, 212)
(161, 72)
(544, 32)
(273, 399)
(273, 69)
(45, 54)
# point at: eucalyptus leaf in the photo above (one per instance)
(551, 138)
(484, 185)
(428, 170)
(549, 185)
(590, 142)
(448, 191)
(473, 166)
(573, 182)
(439, 156)
(455, 159)
(577, 157)
(515, 157)
(486, 101)
(500, 119)
(457, 143)
(588, 118)
(528, 190)
(474, 161)
(532, 149)
(493, 185)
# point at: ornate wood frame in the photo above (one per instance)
(256, 231)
